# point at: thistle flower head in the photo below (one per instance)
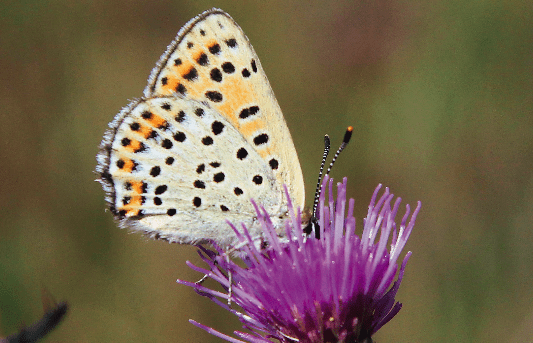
(339, 288)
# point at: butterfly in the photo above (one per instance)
(207, 137)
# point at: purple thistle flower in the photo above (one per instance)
(333, 289)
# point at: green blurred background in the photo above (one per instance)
(441, 97)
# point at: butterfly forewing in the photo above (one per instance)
(212, 60)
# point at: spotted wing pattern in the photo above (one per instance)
(207, 137)
(212, 60)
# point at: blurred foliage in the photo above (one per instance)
(440, 95)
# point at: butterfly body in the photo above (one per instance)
(207, 137)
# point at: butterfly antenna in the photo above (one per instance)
(345, 141)
(312, 225)
(327, 147)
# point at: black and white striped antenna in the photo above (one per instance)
(313, 225)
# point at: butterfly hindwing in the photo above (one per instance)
(178, 171)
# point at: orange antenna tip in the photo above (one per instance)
(348, 135)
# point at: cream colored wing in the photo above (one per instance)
(175, 169)
(212, 61)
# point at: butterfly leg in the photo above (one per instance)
(230, 279)
(199, 282)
